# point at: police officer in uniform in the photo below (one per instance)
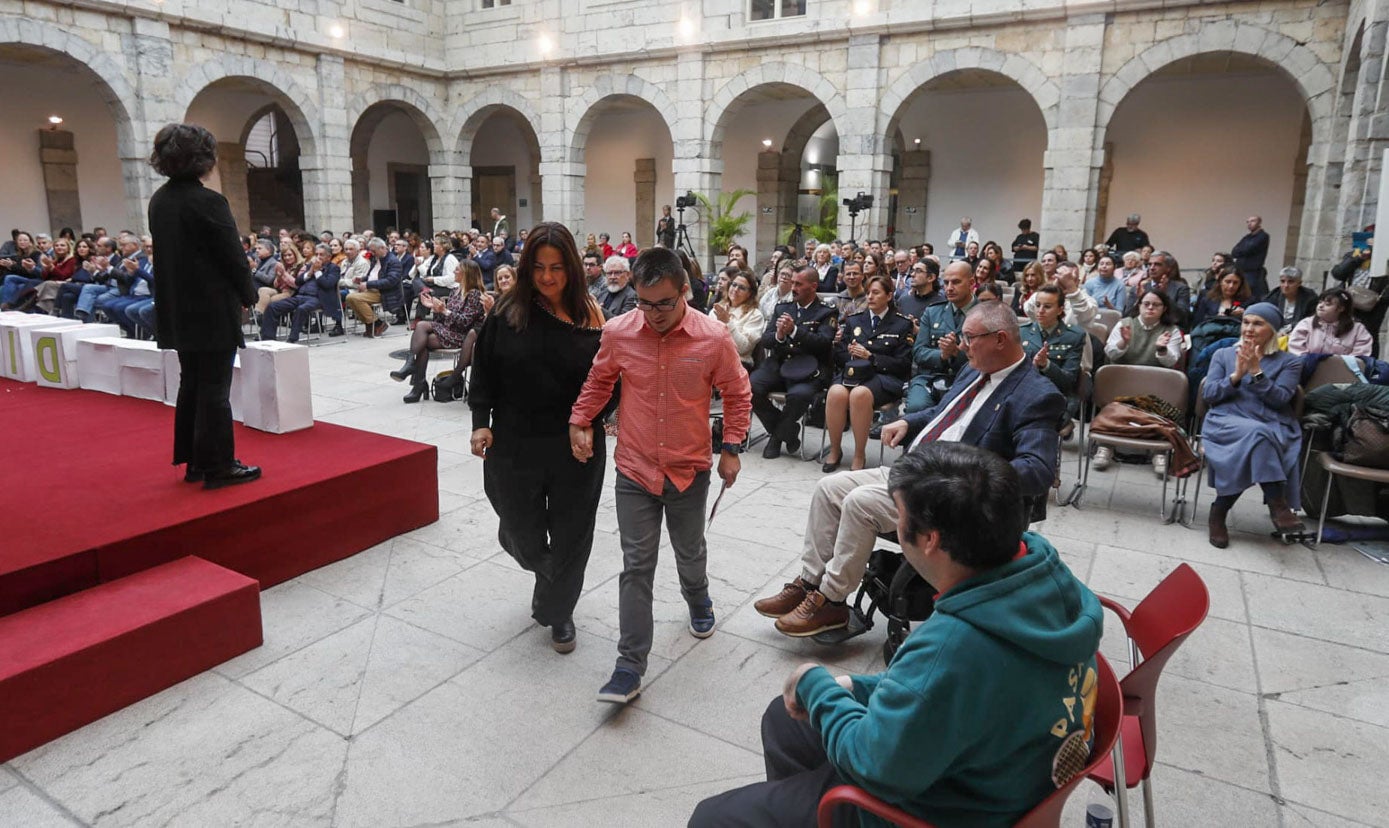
(937, 356)
(799, 339)
(1054, 347)
(873, 353)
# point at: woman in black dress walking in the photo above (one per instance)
(531, 360)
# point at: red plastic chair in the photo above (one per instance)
(1155, 629)
(1108, 708)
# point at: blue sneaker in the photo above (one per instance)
(624, 686)
(702, 618)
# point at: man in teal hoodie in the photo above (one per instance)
(964, 726)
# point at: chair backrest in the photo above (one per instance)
(1159, 625)
(1331, 370)
(1109, 718)
(1168, 384)
(1109, 317)
(1098, 330)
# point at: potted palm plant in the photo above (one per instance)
(725, 226)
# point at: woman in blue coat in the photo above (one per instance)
(1250, 435)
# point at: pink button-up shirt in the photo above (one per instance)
(666, 388)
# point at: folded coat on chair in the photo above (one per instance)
(1123, 420)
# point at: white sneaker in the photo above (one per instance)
(1160, 465)
(1104, 458)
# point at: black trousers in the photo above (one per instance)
(781, 424)
(203, 415)
(798, 774)
(547, 503)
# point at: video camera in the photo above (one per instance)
(686, 200)
(858, 203)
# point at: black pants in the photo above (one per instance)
(798, 774)
(547, 502)
(203, 416)
(783, 423)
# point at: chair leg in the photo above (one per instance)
(1149, 821)
(1121, 789)
(1079, 493)
(1321, 516)
(1073, 496)
(1196, 501)
(1169, 515)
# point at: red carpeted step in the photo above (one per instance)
(71, 661)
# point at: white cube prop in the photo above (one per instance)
(275, 393)
(14, 344)
(97, 368)
(54, 349)
(142, 369)
(173, 373)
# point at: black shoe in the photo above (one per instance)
(562, 636)
(314, 327)
(418, 391)
(876, 432)
(337, 331)
(192, 474)
(772, 450)
(831, 466)
(379, 327)
(405, 370)
(236, 473)
(793, 445)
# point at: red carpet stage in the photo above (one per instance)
(90, 496)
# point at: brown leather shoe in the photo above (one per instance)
(1284, 520)
(1219, 534)
(789, 598)
(815, 615)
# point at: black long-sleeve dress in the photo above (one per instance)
(523, 386)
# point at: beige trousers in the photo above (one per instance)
(847, 512)
(360, 302)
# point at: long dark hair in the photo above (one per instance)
(1342, 298)
(515, 304)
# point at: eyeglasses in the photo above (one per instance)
(614, 272)
(663, 305)
(966, 337)
(736, 286)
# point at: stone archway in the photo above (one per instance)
(407, 159)
(1026, 74)
(511, 163)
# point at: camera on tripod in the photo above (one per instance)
(858, 203)
(688, 200)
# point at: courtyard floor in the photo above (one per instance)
(408, 686)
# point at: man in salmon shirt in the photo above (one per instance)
(669, 359)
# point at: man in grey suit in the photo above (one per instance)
(998, 402)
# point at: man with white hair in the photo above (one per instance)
(960, 239)
(1129, 237)
(380, 284)
(620, 296)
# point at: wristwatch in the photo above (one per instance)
(1257, 376)
(731, 448)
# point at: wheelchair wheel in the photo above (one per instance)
(896, 633)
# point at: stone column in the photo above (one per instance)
(561, 179)
(450, 199)
(769, 207)
(1359, 193)
(1102, 182)
(1299, 202)
(865, 163)
(694, 167)
(327, 172)
(59, 162)
(361, 192)
(231, 169)
(1075, 144)
(149, 53)
(644, 234)
(912, 189)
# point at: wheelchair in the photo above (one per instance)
(892, 587)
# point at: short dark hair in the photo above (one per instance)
(1025, 225)
(1167, 318)
(970, 495)
(657, 264)
(184, 151)
(932, 266)
(1052, 290)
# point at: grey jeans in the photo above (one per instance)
(639, 525)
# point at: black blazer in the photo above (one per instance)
(890, 345)
(813, 335)
(201, 275)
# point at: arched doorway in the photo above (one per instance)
(503, 153)
(69, 173)
(627, 151)
(1200, 145)
(390, 149)
(258, 149)
(966, 143)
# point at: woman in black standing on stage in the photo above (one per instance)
(531, 359)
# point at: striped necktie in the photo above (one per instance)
(956, 410)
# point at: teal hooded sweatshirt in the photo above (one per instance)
(963, 726)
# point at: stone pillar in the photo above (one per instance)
(231, 169)
(1075, 144)
(327, 173)
(537, 195)
(644, 234)
(361, 192)
(912, 190)
(1358, 192)
(693, 166)
(561, 179)
(59, 162)
(149, 53)
(769, 208)
(1299, 202)
(1102, 182)
(865, 163)
(450, 200)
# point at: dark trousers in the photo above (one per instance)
(547, 503)
(798, 774)
(203, 415)
(783, 423)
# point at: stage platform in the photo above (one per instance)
(90, 495)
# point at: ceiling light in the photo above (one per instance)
(546, 44)
(686, 27)
(917, 142)
(337, 31)
(767, 142)
(862, 7)
(55, 119)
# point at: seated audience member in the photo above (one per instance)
(1105, 287)
(825, 271)
(1054, 347)
(1003, 269)
(1134, 271)
(1292, 299)
(593, 275)
(853, 299)
(923, 292)
(493, 255)
(984, 700)
(21, 268)
(1331, 329)
(1028, 283)
(1211, 275)
(799, 340)
(274, 277)
(505, 279)
(57, 266)
(996, 403)
(780, 254)
(1089, 257)
(988, 292)
(742, 316)
(1150, 338)
(779, 292)
(720, 290)
(936, 354)
(131, 279)
(405, 260)
(1250, 435)
(1080, 307)
(872, 355)
(619, 295)
(316, 281)
(697, 291)
(380, 284)
(461, 314)
(1228, 297)
(1164, 274)
(626, 249)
